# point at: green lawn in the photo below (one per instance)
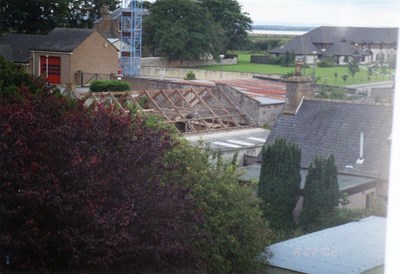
(324, 74)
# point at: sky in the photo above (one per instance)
(362, 13)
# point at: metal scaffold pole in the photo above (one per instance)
(131, 37)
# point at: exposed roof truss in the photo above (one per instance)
(188, 110)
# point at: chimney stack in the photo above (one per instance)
(298, 88)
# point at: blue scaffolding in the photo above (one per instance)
(131, 37)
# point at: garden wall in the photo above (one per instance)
(180, 73)
(163, 62)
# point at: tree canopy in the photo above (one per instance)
(235, 23)
(321, 191)
(181, 30)
(42, 16)
(88, 190)
(235, 230)
(279, 183)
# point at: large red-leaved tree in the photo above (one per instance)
(81, 190)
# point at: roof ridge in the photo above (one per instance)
(355, 102)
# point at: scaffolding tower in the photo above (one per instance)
(131, 37)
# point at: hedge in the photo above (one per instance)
(109, 85)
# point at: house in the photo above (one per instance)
(18, 47)
(356, 247)
(357, 134)
(341, 43)
(63, 54)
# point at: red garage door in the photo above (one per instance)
(50, 67)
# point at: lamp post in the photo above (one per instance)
(314, 64)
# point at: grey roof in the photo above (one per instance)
(21, 44)
(324, 127)
(6, 52)
(305, 44)
(344, 48)
(354, 247)
(358, 35)
(346, 182)
(64, 39)
(299, 45)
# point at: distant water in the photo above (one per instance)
(278, 32)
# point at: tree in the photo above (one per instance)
(36, 17)
(321, 191)
(235, 23)
(82, 14)
(181, 30)
(81, 191)
(344, 77)
(42, 16)
(235, 232)
(279, 183)
(288, 59)
(353, 66)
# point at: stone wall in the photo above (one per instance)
(180, 73)
(138, 84)
(163, 62)
(263, 115)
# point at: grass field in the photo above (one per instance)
(326, 75)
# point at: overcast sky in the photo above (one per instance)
(371, 13)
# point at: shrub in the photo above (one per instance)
(326, 63)
(80, 193)
(109, 85)
(190, 76)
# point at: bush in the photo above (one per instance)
(80, 193)
(326, 63)
(109, 85)
(190, 76)
(234, 230)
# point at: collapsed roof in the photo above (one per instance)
(188, 110)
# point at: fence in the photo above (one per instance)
(84, 79)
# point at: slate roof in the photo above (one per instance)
(344, 48)
(305, 44)
(6, 52)
(356, 247)
(64, 39)
(21, 44)
(326, 127)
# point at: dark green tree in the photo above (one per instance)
(36, 17)
(235, 23)
(82, 14)
(234, 230)
(182, 30)
(353, 66)
(279, 183)
(42, 16)
(288, 59)
(321, 191)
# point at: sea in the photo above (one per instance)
(277, 32)
(280, 30)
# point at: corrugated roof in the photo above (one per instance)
(350, 248)
(264, 91)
